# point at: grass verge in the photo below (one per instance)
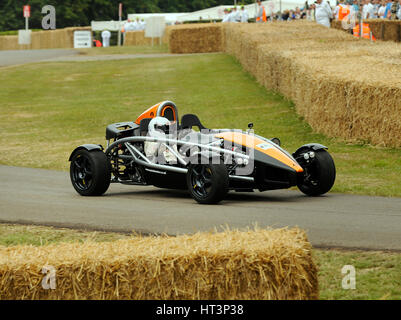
(124, 50)
(378, 274)
(71, 103)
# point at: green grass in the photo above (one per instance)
(12, 235)
(378, 274)
(125, 50)
(48, 109)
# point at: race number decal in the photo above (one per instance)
(264, 146)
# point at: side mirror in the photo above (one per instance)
(276, 141)
(250, 125)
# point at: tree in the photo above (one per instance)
(71, 13)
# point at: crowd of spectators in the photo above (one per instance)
(321, 11)
(136, 25)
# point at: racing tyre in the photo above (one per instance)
(207, 183)
(319, 176)
(90, 172)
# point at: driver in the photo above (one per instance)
(162, 128)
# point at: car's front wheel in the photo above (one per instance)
(208, 183)
(90, 172)
(319, 174)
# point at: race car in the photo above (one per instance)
(157, 149)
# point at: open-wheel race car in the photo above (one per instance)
(158, 149)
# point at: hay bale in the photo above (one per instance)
(46, 39)
(343, 86)
(9, 43)
(382, 29)
(195, 38)
(260, 264)
(137, 38)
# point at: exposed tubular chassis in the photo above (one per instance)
(136, 154)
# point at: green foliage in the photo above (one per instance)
(81, 12)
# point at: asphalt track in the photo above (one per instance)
(20, 57)
(44, 197)
(17, 57)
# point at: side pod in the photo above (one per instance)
(87, 147)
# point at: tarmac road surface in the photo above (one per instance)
(18, 57)
(46, 197)
(15, 57)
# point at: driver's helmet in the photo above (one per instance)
(159, 127)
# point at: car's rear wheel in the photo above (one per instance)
(208, 183)
(319, 175)
(90, 172)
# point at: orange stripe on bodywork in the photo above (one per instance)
(250, 141)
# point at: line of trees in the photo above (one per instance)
(71, 13)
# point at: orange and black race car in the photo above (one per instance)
(158, 149)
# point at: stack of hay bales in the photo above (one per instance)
(137, 38)
(260, 264)
(9, 43)
(46, 39)
(196, 38)
(382, 29)
(343, 86)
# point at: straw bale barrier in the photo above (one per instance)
(260, 264)
(46, 39)
(196, 38)
(387, 30)
(9, 43)
(137, 38)
(344, 87)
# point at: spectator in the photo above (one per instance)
(399, 10)
(303, 13)
(285, 15)
(128, 26)
(261, 15)
(233, 15)
(394, 10)
(298, 13)
(138, 24)
(387, 12)
(236, 15)
(323, 13)
(367, 10)
(355, 7)
(376, 6)
(244, 15)
(310, 13)
(382, 9)
(142, 25)
(97, 43)
(225, 15)
(341, 10)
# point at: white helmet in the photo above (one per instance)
(158, 127)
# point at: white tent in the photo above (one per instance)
(215, 13)
(169, 17)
